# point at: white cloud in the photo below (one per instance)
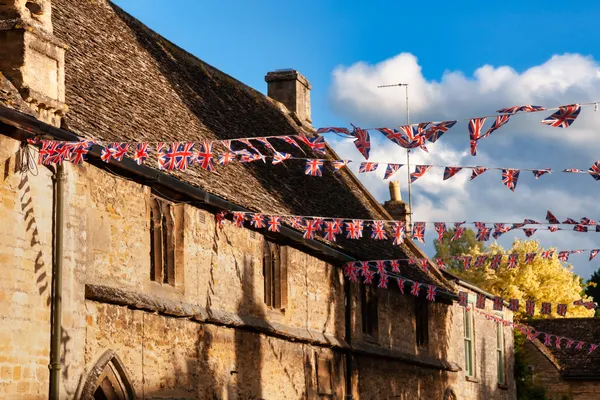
(524, 142)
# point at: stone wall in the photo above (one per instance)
(547, 375)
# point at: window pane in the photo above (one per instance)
(468, 358)
(500, 367)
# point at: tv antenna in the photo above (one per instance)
(407, 150)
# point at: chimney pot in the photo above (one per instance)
(291, 88)
(395, 191)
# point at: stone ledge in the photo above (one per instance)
(146, 302)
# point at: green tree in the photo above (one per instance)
(448, 248)
(593, 289)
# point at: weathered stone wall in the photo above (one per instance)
(25, 269)
(546, 375)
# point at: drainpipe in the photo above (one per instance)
(56, 305)
(348, 337)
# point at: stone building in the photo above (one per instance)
(117, 276)
(564, 373)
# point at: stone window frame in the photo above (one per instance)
(500, 352)
(369, 302)
(421, 322)
(469, 336)
(274, 263)
(166, 241)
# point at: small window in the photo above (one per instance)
(275, 275)
(370, 316)
(500, 352)
(166, 241)
(422, 321)
(469, 341)
(324, 376)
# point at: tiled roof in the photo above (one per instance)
(125, 82)
(574, 363)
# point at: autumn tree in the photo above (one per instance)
(593, 289)
(542, 280)
(464, 245)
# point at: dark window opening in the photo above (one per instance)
(275, 275)
(324, 376)
(166, 240)
(422, 321)
(370, 316)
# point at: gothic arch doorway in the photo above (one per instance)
(108, 380)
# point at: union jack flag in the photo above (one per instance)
(480, 260)
(378, 230)
(594, 253)
(500, 121)
(418, 232)
(314, 167)
(339, 164)
(463, 299)
(587, 221)
(529, 231)
(296, 222)
(401, 282)
(561, 309)
(553, 228)
(367, 167)
(141, 153)
(593, 347)
(513, 305)
(415, 288)
(529, 257)
(368, 275)
(498, 303)
(517, 226)
(499, 230)
(395, 265)
(496, 260)
(564, 117)
(449, 172)
(238, 219)
(440, 228)
(274, 223)
(334, 130)
(435, 131)
(311, 226)
(331, 231)
(564, 255)
(579, 346)
(105, 155)
(280, 157)
(513, 259)
(289, 140)
(339, 223)
(391, 169)
(362, 141)
(530, 108)
(547, 336)
(458, 232)
(257, 221)
(530, 307)
(547, 254)
(225, 158)
(49, 150)
(594, 170)
(475, 126)
(395, 136)
(354, 229)
(248, 143)
(483, 234)
(431, 292)
(580, 228)
(539, 172)
(424, 264)
(265, 142)
(509, 110)
(178, 156)
(573, 170)
(420, 170)
(398, 233)
(532, 334)
(120, 150)
(380, 267)
(569, 343)
(350, 270)
(204, 157)
(79, 151)
(570, 221)
(317, 144)
(480, 303)
(466, 260)
(440, 263)
(364, 267)
(220, 218)
(478, 171)
(383, 281)
(510, 178)
(551, 218)
(546, 308)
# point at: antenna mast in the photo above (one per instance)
(407, 151)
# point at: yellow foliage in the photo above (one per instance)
(544, 280)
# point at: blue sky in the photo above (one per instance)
(462, 60)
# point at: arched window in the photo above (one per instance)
(108, 380)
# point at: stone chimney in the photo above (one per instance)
(292, 89)
(395, 206)
(32, 58)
